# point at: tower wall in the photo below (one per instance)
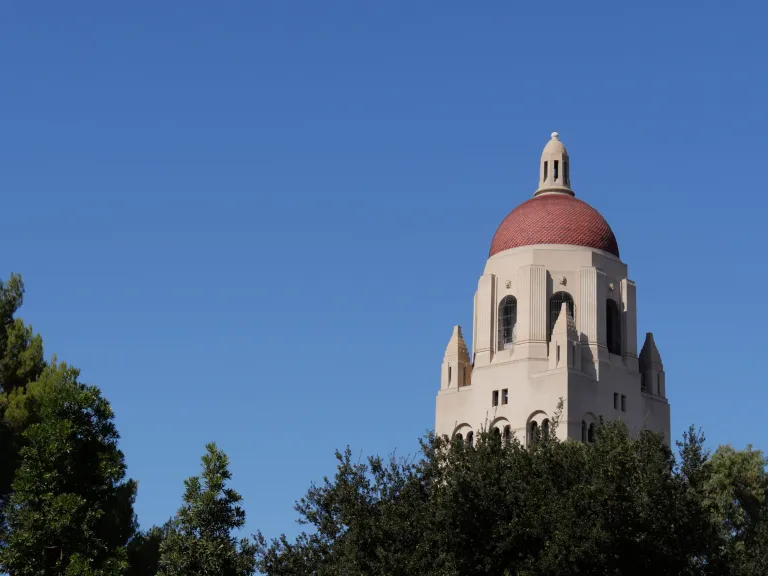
(601, 383)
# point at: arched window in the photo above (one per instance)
(591, 433)
(555, 304)
(613, 326)
(507, 434)
(507, 322)
(545, 428)
(533, 433)
(583, 431)
(497, 435)
(459, 437)
(470, 439)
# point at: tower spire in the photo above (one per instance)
(554, 169)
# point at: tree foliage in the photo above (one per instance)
(619, 506)
(71, 509)
(200, 540)
(21, 362)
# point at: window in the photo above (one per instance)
(545, 429)
(497, 435)
(555, 304)
(545, 170)
(533, 433)
(615, 401)
(643, 383)
(470, 439)
(495, 398)
(623, 403)
(449, 375)
(507, 434)
(583, 431)
(459, 437)
(505, 396)
(591, 433)
(507, 322)
(566, 176)
(613, 326)
(555, 166)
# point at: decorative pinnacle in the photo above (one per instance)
(555, 135)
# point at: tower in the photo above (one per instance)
(554, 317)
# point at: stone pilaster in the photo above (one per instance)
(629, 324)
(484, 319)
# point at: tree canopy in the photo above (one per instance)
(199, 541)
(71, 509)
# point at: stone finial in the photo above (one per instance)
(554, 168)
(457, 346)
(649, 355)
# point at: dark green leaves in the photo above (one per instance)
(71, 510)
(199, 541)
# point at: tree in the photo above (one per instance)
(144, 551)
(618, 506)
(735, 488)
(21, 351)
(21, 362)
(200, 540)
(71, 510)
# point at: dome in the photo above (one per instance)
(554, 219)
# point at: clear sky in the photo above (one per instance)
(257, 222)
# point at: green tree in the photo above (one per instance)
(21, 351)
(21, 362)
(71, 510)
(735, 488)
(618, 506)
(200, 541)
(144, 551)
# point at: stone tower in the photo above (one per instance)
(554, 317)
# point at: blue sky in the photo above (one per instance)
(257, 222)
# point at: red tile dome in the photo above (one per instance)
(554, 219)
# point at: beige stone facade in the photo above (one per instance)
(552, 320)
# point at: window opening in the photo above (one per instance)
(555, 166)
(507, 434)
(507, 322)
(495, 398)
(534, 432)
(591, 433)
(470, 439)
(623, 403)
(545, 171)
(545, 428)
(449, 375)
(566, 176)
(505, 396)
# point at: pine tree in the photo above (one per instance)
(200, 541)
(71, 510)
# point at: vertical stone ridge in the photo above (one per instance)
(629, 317)
(587, 314)
(486, 304)
(538, 302)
